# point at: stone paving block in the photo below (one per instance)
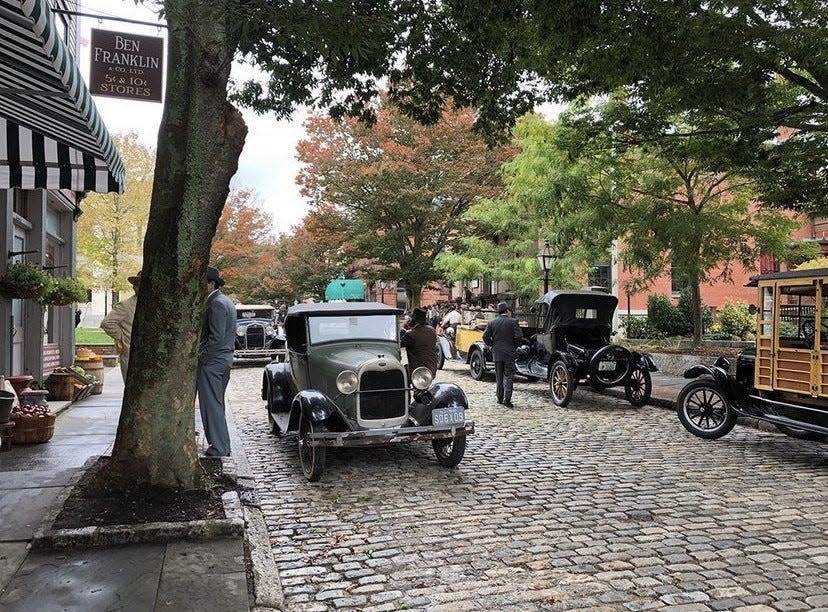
(546, 496)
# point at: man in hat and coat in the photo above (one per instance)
(503, 335)
(118, 323)
(215, 356)
(420, 343)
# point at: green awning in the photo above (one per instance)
(52, 134)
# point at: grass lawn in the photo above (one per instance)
(88, 335)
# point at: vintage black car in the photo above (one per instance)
(343, 385)
(783, 379)
(568, 343)
(257, 333)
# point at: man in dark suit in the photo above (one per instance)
(215, 356)
(503, 335)
(420, 342)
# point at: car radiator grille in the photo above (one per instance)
(254, 337)
(382, 394)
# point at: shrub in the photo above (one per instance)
(639, 328)
(685, 307)
(664, 317)
(735, 319)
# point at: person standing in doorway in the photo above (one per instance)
(118, 324)
(503, 335)
(215, 357)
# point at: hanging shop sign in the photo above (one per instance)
(126, 65)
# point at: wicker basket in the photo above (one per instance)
(33, 429)
(60, 386)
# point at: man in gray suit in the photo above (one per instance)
(503, 335)
(215, 356)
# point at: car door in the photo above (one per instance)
(296, 331)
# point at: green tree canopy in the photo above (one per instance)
(670, 209)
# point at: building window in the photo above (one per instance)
(677, 282)
(768, 264)
(600, 276)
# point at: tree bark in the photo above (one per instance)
(697, 310)
(199, 143)
(414, 293)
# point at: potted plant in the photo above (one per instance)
(62, 291)
(23, 280)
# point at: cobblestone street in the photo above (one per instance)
(597, 506)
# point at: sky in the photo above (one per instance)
(268, 163)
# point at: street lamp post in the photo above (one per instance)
(545, 258)
(383, 285)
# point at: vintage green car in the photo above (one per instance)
(343, 385)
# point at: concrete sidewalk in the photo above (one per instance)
(179, 575)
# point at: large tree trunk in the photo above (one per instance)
(199, 144)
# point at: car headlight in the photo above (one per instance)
(421, 378)
(347, 382)
(270, 331)
(239, 330)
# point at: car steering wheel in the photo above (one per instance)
(808, 331)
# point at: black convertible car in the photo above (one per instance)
(570, 345)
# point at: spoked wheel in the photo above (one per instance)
(561, 384)
(449, 451)
(704, 411)
(638, 387)
(311, 458)
(477, 365)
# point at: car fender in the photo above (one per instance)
(484, 350)
(438, 394)
(568, 359)
(317, 407)
(716, 373)
(445, 346)
(276, 380)
(644, 361)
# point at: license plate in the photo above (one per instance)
(606, 366)
(441, 417)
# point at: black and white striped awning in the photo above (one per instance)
(51, 134)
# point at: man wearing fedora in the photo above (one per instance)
(118, 323)
(503, 335)
(215, 356)
(420, 343)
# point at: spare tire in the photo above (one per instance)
(610, 365)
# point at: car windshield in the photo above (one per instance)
(357, 327)
(254, 313)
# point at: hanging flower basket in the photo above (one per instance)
(23, 280)
(62, 291)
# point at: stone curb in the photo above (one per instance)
(267, 586)
(47, 538)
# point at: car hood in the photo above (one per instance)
(351, 356)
